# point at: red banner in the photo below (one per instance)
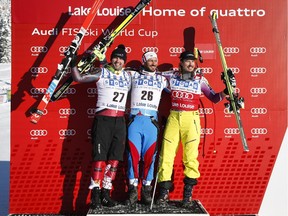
(50, 161)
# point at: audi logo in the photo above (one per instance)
(38, 133)
(38, 49)
(67, 132)
(176, 50)
(183, 95)
(45, 111)
(128, 49)
(259, 110)
(89, 132)
(259, 131)
(205, 110)
(237, 90)
(67, 111)
(37, 70)
(206, 131)
(227, 111)
(206, 70)
(257, 50)
(38, 91)
(150, 49)
(235, 70)
(231, 131)
(258, 70)
(70, 91)
(231, 50)
(63, 49)
(92, 90)
(258, 90)
(91, 111)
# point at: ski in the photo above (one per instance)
(36, 113)
(86, 62)
(235, 103)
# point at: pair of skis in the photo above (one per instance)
(51, 93)
(235, 103)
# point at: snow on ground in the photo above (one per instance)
(5, 80)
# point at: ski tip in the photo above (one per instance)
(214, 16)
(35, 118)
(35, 115)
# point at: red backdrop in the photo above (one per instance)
(50, 161)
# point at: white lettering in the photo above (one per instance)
(53, 31)
(239, 12)
(163, 12)
(147, 33)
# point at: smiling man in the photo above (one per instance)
(109, 127)
(147, 86)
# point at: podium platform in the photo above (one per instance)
(173, 208)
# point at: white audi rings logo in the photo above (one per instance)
(70, 91)
(150, 49)
(259, 131)
(38, 49)
(227, 111)
(183, 95)
(63, 49)
(38, 91)
(67, 132)
(258, 90)
(89, 132)
(176, 50)
(128, 49)
(206, 131)
(91, 111)
(205, 110)
(259, 110)
(38, 70)
(237, 90)
(258, 70)
(67, 111)
(257, 50)
(38, 133)
(206, 70)
(235, 70)
(231, 131)
(231, 50)
(92, 90)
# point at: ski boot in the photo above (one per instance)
(106, 199)
(96, 198)
(133, 195)
(187, 192)
(146, 194)
(187, 196)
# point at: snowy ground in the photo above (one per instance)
(5, 80)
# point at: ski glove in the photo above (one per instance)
(232, 80)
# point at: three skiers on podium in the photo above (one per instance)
(109, 128)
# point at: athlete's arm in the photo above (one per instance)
(84, 78)
(210, 93)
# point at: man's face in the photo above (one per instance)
(117, 63)
(188, 65)
(151, 64)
